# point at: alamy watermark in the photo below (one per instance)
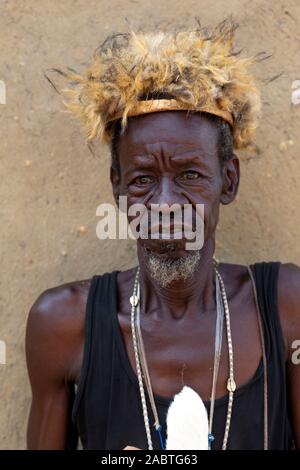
(159, 222)
(2, 352)
(295, 98)
(2, 92)
(295, 358)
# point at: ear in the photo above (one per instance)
(231, 180)
(115, 182)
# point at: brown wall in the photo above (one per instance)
(51, 184)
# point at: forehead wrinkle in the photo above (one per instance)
(199, 138)
(145, 161)
(161, 158)
(148, 132)
(149, 145)
(153, 148)
(193, 156)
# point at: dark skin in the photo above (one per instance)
(164, 158)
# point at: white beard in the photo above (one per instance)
(166, 271)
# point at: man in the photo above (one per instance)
(173, 109)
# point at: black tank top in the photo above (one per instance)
(107, 412)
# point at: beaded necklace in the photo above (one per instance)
(141, 363)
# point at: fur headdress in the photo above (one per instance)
(198, 70)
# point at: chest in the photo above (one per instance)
(181, 352)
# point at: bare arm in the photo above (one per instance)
(53, 348)
(289, 307)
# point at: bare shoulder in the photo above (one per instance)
(60, 305)
(55, 328)
(289, 302)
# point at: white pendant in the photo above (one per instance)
(187, 422)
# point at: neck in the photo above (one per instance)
(180, 298)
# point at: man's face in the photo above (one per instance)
(167, 158)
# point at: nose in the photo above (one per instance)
(167, 193)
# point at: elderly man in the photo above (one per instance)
(173, 108)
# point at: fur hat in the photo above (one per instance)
(197, 70)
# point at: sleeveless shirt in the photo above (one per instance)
(107, 413)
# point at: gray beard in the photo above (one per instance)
(166, 271)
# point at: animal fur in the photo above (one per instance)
(196, 68)
(187, 423)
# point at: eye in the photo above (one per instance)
(189, 175)
(143, 180)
